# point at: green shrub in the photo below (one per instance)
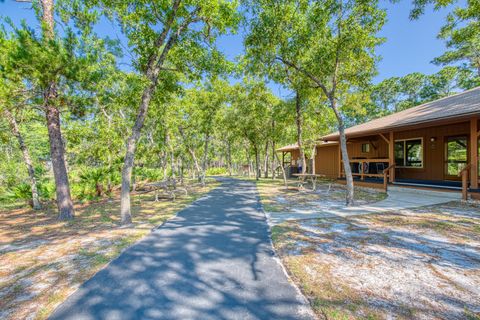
(46, 190)
(91, 182)
(148, 174)
(216, 171)
(22, 191)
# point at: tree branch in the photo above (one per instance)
(173, 39)
(152, 61)
(319, 83)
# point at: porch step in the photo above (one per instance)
(410, 188)
(433, 186)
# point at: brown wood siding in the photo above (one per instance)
(378, 148)
(326, 161)
(295, 157)
(327, 158)
(433, 152)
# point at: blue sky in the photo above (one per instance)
(410, 45)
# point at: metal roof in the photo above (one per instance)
(455, 106)
(292, 147)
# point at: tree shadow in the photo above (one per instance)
(385, 246)
(212, 261)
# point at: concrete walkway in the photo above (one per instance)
(213, 261)
(398, 199)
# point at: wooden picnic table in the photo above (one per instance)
(309, 176)
(168, 187)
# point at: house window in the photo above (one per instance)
(365, 147)
(409, 153)
(456, 154)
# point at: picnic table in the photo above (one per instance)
(308, 176)
(168, 187)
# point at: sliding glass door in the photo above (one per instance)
(456, 156)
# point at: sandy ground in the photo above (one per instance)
(276, 198)
(419, 263)
(42, 260)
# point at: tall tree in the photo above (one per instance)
(26, 157)
(12, 92)
(461, 33)
(167, 36)
(299, 121)
(43, 62)
(52, 113)
(251, 103)
(329, 43)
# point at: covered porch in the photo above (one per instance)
(440, 156)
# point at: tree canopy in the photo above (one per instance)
(80, 125)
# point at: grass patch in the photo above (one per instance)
(275, 197)
(329, 297)
(53, 257)
(343, 265)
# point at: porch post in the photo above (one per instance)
(474, 153)
(339, 161)
(391, 156)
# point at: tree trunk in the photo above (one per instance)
(192, 153)
(273, 160)
(125, 209)
(257, 162)
(62, 186)
(180, 169)
(197, 165)
(164, 165)
(173, 168)
(205, 158)
(229, 158)
(314, 153)
(192, 170)
(350, 196)
(26, 158)
(248, 162)
(52, 114)
(154, 65)
(265, 163)
(299, 131)
(99, 189)
(283, 171)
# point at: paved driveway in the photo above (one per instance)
(398, 199)
(213, 261)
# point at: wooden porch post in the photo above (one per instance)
(339, 161)
(474, 153)
(391, 156)
(313, 158)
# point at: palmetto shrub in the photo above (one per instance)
(216, 171)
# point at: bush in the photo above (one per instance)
(92, 182)
(46, 190)
(21, 191)
(148, 174)
(216, 171)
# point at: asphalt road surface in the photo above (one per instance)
(214, 260)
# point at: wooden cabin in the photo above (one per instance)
(431, 145)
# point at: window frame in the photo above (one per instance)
(405, 152)
(367, 145)
(467, 145)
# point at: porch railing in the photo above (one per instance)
(465, 173)
(361, 164)
(386, 174)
